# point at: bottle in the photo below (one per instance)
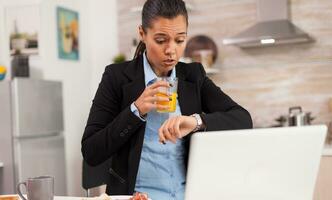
(133, 48)
(20, 66)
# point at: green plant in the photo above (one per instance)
(17, 36)
(119, 58)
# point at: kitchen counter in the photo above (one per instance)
(68, 198)
(327, 151)
(116, 197)
(61, 197)
(91, 198)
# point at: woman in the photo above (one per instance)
(123, 123)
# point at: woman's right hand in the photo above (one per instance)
(147, 101)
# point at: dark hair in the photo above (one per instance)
(153, 9)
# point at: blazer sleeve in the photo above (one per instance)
(220, 111)
(108, 128)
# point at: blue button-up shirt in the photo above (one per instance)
(162, 171)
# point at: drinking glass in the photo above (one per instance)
(170, 92)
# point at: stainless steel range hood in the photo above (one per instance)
(272, 28)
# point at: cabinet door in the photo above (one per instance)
(44, 156)
(324, 181)
(6, 155)
(38, 107)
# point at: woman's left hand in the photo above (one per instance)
(176, 127)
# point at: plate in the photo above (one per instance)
(121, 197)
(113, 197)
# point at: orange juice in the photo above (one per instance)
(171, 103)
(9, 197)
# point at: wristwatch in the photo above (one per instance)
(199, 122)
(135, 110)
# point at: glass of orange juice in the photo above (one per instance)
(170, 92)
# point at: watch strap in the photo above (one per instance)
(199, 122)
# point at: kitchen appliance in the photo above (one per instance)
(31, 139)
(296, 117)
(273, 27)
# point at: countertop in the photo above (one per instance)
(116, 197)
(327, 151)
(85, 198)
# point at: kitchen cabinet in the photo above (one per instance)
(323, 190)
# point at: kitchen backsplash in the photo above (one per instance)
(266, 81)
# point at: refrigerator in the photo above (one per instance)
(31, 133)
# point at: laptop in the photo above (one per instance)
(256, 164)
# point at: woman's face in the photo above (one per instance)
(165, 42)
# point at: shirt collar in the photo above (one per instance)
(149, 73)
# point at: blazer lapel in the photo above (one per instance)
(131, 91)
(136, 85)
(187, 93)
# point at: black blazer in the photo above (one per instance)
(113, 131)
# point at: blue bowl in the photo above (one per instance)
(2, 76)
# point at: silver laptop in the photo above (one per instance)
(257, 164)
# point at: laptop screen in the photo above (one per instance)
(257, 164)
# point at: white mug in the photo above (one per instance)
(38, 188)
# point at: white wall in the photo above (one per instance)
(76, 83)
(98, 44)
(103, 37)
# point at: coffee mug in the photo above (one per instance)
(38, 188)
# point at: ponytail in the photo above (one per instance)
(140, 49)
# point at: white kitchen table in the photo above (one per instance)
(85, 198)
(58, 197)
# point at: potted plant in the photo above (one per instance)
(18, 41)
(119, 58)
